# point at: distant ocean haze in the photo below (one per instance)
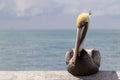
(45, 49)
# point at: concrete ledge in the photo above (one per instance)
(56, 75)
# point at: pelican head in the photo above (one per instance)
(82, 24)
(84, 17)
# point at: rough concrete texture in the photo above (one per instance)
(56, 75)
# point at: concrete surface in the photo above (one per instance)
(56, 75)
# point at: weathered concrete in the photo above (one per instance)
(56, 75)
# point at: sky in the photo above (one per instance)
(58, 14)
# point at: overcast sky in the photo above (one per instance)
(58, 14)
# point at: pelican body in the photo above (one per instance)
(82, 62)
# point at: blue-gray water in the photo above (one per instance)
(45, 49)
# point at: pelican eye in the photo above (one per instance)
(83, 24)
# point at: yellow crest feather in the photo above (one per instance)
(84, 17)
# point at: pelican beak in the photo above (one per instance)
(77, 44)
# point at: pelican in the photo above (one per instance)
(79, 61)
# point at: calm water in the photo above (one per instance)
(45, 49)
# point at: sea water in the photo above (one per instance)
(45, 49)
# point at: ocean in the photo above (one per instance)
(45, 49)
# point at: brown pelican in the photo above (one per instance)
(81, 62)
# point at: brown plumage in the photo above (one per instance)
(86, 62)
